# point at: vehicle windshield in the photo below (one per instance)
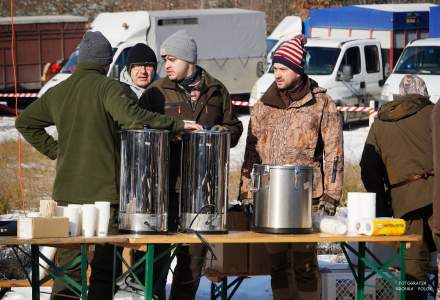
(70, 65)
(319, 60)
(270, 43)
(419, 60)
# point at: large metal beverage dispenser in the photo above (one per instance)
(205, 166)
(144, 181)
(282, 198)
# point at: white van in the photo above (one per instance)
(350, 69)
(421, 58)
(231, 42)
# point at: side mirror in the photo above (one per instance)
(260, 68)
(347, 73)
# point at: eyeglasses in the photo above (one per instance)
(138, 67)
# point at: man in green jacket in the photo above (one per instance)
(188, 93)
(88, 109)
(397, 165)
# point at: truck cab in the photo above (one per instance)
(421, 58)
(350, 69)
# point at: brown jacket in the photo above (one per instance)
(436, 151)
(213, 107)
(398, 147)
(307, 132)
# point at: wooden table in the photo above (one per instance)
(147, 242)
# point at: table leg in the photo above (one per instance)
(361, 272)
(225, 288)
(84, 265)
(35, 272)
(402, 254)
(149, 264)
(213, 290)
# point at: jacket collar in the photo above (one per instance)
(208, 82)
(91, 67)
(272, 97)
(404, 107)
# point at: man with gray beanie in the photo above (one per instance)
(188, 93)
(88, 109)
(397, 165)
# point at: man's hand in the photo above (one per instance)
(219, 128)
(190, 126)
(328, 205)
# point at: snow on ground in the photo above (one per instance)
(8, 131)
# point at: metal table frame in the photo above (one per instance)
(147, 242)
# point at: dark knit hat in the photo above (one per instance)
(141, 54)
(95, 48)
(291, 54)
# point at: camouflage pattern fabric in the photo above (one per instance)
(412, 84)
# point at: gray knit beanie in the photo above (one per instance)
(180, 45)
(95, 48)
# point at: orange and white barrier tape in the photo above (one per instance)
(367, 109)
(242, 103)
(19, 95)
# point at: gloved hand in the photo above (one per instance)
(248, 206)
(219, 128)
(328, 205)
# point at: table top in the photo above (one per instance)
(233, 237)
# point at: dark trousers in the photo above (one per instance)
(418, 255)
(187, 273)
(295, 272)
(101, 273)
(160, 269)
(101, 264)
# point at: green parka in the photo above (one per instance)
(87, 109)
(399, 147)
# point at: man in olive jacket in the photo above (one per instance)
(189, 93)
(88, 109)
(397, 163)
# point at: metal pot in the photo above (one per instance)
(282, 198)
(144, 181)
(205, 165)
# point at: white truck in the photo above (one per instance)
(421, 58)
(350, 69)
(231, 42)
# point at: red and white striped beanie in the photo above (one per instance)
(291, 54)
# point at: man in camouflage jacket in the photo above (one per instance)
(296, 122)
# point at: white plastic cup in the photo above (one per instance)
(88, 220)
(103, 217)
(60, 211)
(73, 212)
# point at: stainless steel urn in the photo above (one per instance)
(144, 181)
(205, 166)
(282, 198)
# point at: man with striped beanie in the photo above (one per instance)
(296, 123)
